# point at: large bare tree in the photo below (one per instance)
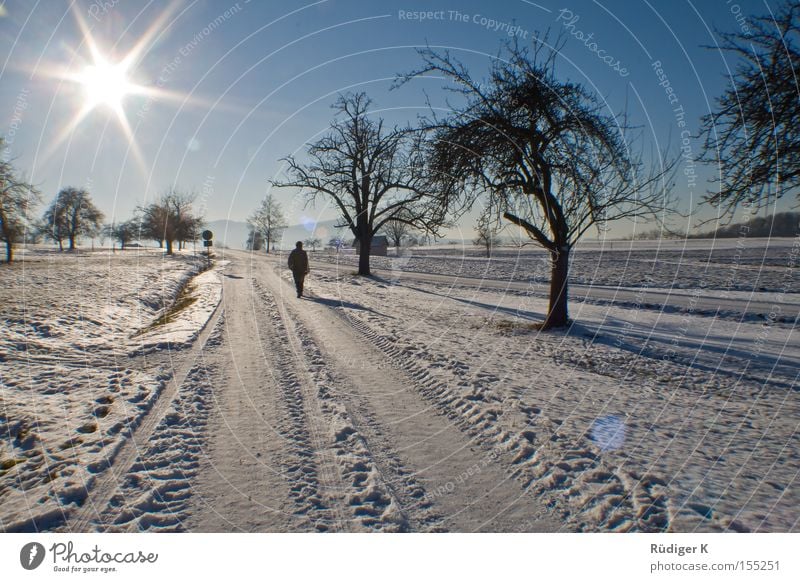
(753, 134)
(546, 151)
(372, 173)
(268, 220)
(72, 215)
(17, 197)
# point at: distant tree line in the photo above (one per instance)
(169, 220)
(781, 224)
(72, 215)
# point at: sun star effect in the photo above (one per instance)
(106, 84)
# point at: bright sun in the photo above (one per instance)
(106, 84)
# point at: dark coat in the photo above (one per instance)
(298, 261)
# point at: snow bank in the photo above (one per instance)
(179, 323)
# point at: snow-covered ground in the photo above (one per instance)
(748, 265)
(72, 379)
(412, 401)
(633, 419)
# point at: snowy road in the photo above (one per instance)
(314, 432)
(303, 425)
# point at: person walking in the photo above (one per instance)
(298, 263)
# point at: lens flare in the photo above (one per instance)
(308, 223)
(608, 433)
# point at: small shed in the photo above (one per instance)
(379, 247)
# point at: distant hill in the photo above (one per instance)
(233, 233)
(323, 230)
(781, 224)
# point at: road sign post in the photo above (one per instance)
(208, 243)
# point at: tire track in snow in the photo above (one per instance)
(552, 469)
(300, 464)
(355, 479)
(405, 489)
(88, 516)
(156, 491)
(401, 482)
(441, 479)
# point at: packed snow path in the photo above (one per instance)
(286, 417)
(314, 432)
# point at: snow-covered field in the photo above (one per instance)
(73, 381)
(748, 265)
(414, 403)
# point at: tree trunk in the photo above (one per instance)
(60, 245)
(557, 315)
(364, 249)
(9, 252)
(72, 243)
(169, 247)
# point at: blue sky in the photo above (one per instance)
(251, 82)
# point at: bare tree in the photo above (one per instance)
(171, 218)
(151, 221)
(54, 226)
(546, 153)
(269, 220)
(397, 231)
(312, 242)
(189, 230)
(753, 135)
(487, 229)
(123, 232)
(372, 173)
(17, 197)
(72, 215)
